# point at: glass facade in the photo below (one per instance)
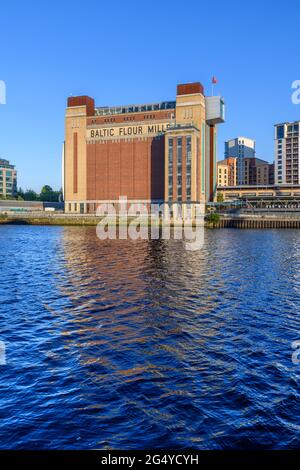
(111, 110)
(188, 168)
(170, 168)
(280, 132)
(179, 168)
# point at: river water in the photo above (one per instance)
(142, 344)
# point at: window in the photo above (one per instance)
(189, 167)
(170, 168)
(179, 168)
(280, 132)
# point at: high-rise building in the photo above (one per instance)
(8, 178)
(161, 151)
(287, 153)
(227, 172)
(240, 148)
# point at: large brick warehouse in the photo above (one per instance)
(161, 151)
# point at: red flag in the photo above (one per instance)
(214, 80)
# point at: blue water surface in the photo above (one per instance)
(143, 344)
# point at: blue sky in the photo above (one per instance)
(132, 52)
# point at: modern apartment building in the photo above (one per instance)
(8, 178)
(257, 172)
(287, 153)
(160, 151)
(240, 148)
(226, 172)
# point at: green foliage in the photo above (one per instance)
(30, 195)
(46, 189)
(46, 195)
(20, 194)
(213, 218)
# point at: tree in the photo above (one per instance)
(48, 195)
(30, 195)
(46, 189)
(20, 194)
(213, 218)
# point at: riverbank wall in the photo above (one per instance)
(242, 221)
(255, 223)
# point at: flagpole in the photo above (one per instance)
(213, 82)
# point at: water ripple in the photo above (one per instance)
(122, 344)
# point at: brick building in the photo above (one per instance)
(258, 172)
(161, 151)
(227, 172)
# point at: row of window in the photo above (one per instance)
(132, 118)
(291, 129)
(135, 109)
(179, 168)
(188, 168)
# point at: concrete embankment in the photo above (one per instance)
(41, 218)
(47, 219)
(242, 221)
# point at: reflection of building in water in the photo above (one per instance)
(161, 151)
(129, 309)
(126, 275)
(105, 269)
